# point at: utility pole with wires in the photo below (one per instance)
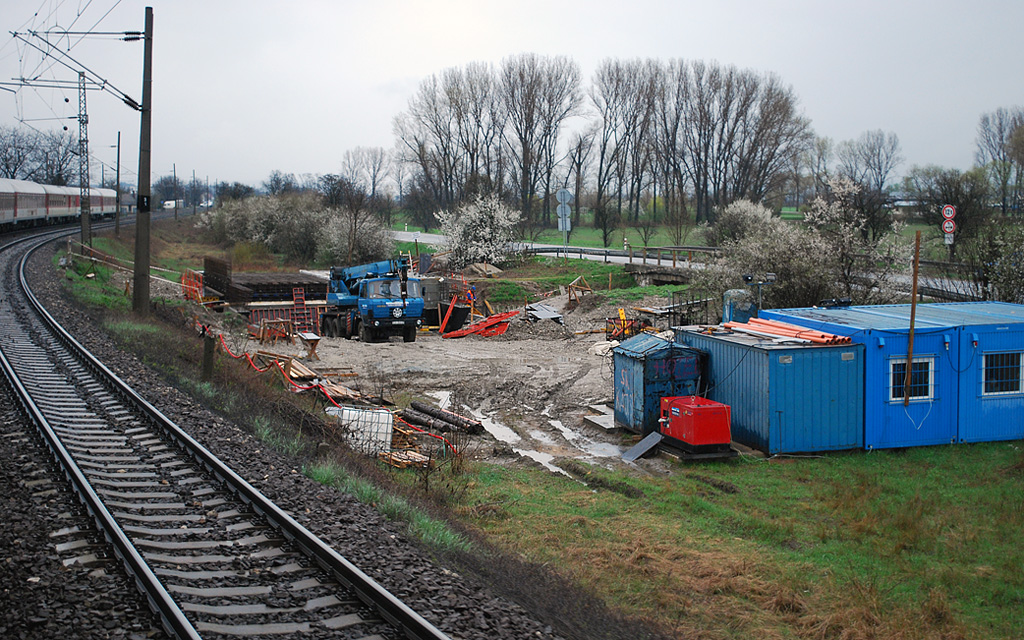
(117, 198)
(140, 293)
(83, 162)
(87, 80)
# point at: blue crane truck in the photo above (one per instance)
(374, 301)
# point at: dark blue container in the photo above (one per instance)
(967, 381)
(785, 397)
(647, 369)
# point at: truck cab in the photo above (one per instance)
(386, 310)
(375, 301)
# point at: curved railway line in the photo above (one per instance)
(212, 555)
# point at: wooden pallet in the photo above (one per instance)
(403, 459)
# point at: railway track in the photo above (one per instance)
(212, 555)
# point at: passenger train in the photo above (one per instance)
(24, 203)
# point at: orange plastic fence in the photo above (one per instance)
(192, 285)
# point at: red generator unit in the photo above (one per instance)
(695, 424)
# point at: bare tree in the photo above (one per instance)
(819, 159)
(932, 187)
(742, 129)
(610, 96)
(56, 158)
(670, 114)
(995, 131)
(539, 94)
(579, 166)
(367, 168)
(427, 136)
(869, 162)
(480, 118)
(278, 183)
(17, 150)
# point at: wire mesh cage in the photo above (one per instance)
(368, 431)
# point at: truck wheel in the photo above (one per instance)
(365, 334)
(409, 334)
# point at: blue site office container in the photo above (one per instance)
(785, 397)
(968, 372)
(647, 369)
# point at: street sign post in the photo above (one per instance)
(564, 212)
(948, 225)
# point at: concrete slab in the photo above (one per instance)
(604, 421)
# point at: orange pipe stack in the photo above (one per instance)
(787, 330)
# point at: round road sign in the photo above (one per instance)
(563, 196)
(948, 226)
(948, 212)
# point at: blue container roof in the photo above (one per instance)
(644, 344)
(897, 316)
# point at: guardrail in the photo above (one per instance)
(658, 255)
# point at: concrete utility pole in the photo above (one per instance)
(174, 176)
(140, 294)
(117, 199)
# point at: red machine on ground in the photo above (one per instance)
(695, 424)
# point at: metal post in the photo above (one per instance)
(83, 162)
(140, 297)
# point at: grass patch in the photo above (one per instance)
(435, 533)
(92, 284)
(915, 544)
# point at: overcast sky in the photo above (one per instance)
(242, 88)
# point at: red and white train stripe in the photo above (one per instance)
(25, 203)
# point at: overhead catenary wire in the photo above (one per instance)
(98, 81)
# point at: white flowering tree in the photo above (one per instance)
(865, 264)
(830, 256)
(480, 230)
(758, 244)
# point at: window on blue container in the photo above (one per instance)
(1002, 373)
(922, 379)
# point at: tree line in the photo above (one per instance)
(643, 143)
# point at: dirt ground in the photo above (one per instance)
(531, 387)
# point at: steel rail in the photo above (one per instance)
(369, 591)
(160, 601)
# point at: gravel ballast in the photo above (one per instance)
(459, 606)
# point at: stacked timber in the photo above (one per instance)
(437, 419)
